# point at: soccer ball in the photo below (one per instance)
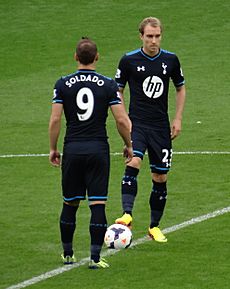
(118, 236)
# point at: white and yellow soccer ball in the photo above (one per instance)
(118, 236)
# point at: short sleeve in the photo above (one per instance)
(121, 76)
(57, 92)
(177, 74)
(114, 95)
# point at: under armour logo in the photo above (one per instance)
(139, 68)
(124, 182)
(164, 66)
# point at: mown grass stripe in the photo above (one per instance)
(110, 252)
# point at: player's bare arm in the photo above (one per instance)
(54, 131)
(177, 121)
(123, 127)
(121, 90)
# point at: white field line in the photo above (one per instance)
(116, 153)
(110, 252)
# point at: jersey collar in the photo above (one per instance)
(147, 56)
(85, 70)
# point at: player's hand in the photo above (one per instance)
(55, 158)
(128, 154)
(175, 128)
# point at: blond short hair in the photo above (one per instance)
(153, 21)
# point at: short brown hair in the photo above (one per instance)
(153, 21)
(86, 50)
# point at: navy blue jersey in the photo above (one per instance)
(148, 80)
(86, 96)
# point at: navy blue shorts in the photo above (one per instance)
(85, 173)
(158, 144)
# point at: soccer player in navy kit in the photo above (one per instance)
(148, 71)
(85, 97)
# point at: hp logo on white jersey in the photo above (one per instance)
(153, 86)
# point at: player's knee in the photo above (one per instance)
(159, 178)
(93, 203)
(135, 162)
(74, 203)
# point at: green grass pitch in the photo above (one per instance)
(37, 46)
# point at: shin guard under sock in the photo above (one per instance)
(157, 202)
(129, 189)
(67, 228)
(97, 228)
